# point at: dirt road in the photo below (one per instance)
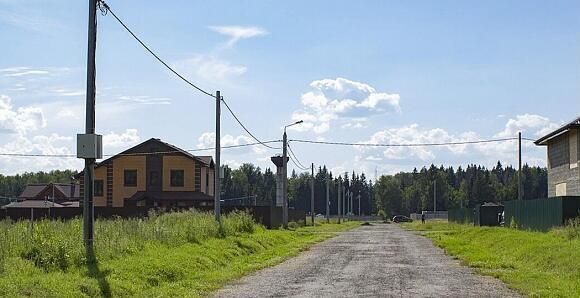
(381, 260)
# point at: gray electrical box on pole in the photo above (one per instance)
(217, 170)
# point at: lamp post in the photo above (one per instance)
(285, 174)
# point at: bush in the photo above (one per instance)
(572, 229)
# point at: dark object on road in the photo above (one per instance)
(366, 223)
(401, 218)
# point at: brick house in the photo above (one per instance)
(563, 159)
(153, 174)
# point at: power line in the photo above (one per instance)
(135, 154)
(106, 6)
(244, 127)
(295, 159)
(408, 145)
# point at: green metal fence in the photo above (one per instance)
(541, 214)
(461, 215)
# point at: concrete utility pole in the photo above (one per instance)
(359, 214)
(327, 200)
(339, 195)
(312, 195)
(89, 171)
(434, 197)
(520, 190)
(285, 174)
(217, 170)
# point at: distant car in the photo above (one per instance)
(401, 218)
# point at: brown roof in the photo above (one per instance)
(69, 190)
(33, 204)
(561, 130)
(169, 149)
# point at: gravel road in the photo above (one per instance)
(381, 260)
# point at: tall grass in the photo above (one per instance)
(54, 245)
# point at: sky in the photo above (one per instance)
(389, 72)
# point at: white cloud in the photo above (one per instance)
(21, 120)
(236, 33)
(26, 71)
(528, 122)
(51, 144)
(146, 100)
(207, 140)
(210, 68)
(128, 138)
(68, 92)
(339, 98)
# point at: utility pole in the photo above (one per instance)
(520, 190)
(339, 194)
(434, 197)
(312, 195)
(217, 170)
(327, 200)
(89, 171)
(285, 180)
(359, 214)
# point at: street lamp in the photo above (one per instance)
(285, 173)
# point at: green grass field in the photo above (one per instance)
(179, 254)
(538, 264)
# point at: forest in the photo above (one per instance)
(402, 193)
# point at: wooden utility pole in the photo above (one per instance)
(89, 171)
(312, 195)
(520, 190)
(359, 213)
(217, 170)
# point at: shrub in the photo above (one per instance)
(572, 229)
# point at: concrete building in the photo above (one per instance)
(153, 174)
(563, 159)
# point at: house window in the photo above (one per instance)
(177, 178)
(206, 182)
(98, 188)
(153, 178)
(560, 189)
(130, 178)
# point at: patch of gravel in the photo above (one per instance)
(379, 260)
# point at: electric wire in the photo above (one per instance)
(135, 154)
(294, 158)
(244, 127)
(108, 8)
(408, 145)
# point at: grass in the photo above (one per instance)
(179, 254)
(537, 264)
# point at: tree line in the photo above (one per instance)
(401, 193)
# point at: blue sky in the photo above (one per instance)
(372, 71)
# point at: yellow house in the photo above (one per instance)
(153, 174)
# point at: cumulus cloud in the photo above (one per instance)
(210, 68)
(20, 120)
(40, 144)
(341, 98)
(207, 140)
(236, 33)
(414, 134)
(128, 138)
